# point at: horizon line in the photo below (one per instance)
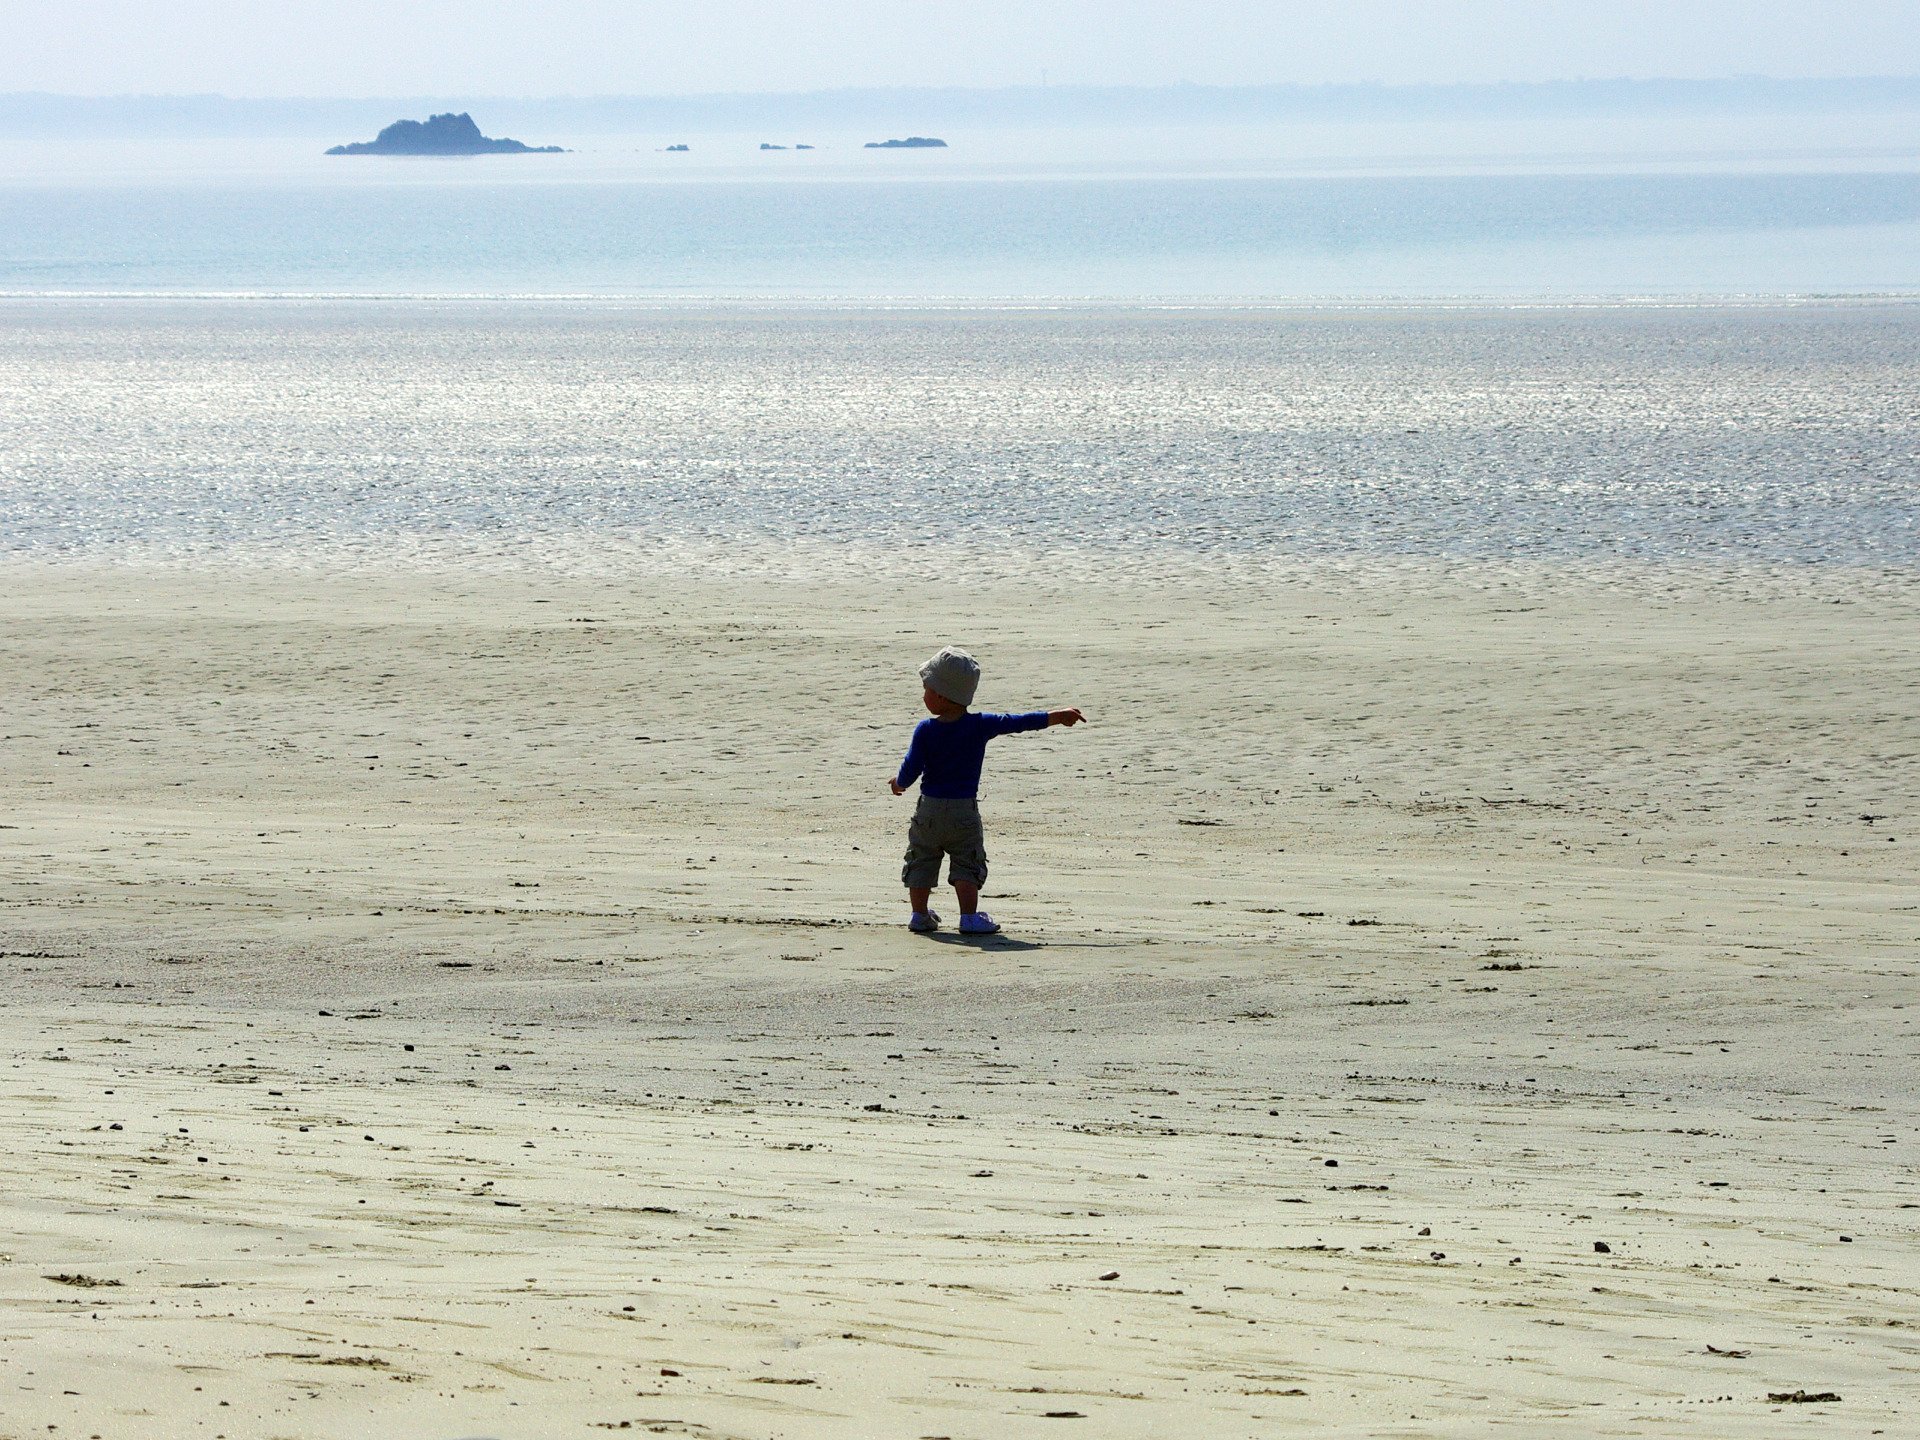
(1397, 86)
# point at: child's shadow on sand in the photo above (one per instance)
(984, 942)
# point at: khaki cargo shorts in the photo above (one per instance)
(950, 828)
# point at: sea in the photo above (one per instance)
(1099, 353)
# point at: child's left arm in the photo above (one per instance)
(913, 764)
(1064, 717)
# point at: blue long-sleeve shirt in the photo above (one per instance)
(946, 755)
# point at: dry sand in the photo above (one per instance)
(1430, 1005)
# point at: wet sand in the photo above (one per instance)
(1430, 1004)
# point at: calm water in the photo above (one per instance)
(1190, 215)
(600, 436)
(601, 432)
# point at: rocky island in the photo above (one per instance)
(912, 142)
(440, 135)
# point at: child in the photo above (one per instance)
(945, 756)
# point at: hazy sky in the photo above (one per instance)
(585, 47)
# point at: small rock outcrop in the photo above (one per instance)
(912, 142)
(440, 135)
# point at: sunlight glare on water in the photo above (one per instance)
(595, 436)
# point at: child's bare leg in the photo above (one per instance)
(968, 896)
(920, 896)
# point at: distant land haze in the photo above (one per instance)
(917, 110)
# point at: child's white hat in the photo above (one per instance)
(953, 674)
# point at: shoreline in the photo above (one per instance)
(802, 573)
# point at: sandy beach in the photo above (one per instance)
(1432, 1003)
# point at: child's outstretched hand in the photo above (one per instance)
(894, 785)
(1064, 717)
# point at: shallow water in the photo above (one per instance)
(594, 437)
(925, 227)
